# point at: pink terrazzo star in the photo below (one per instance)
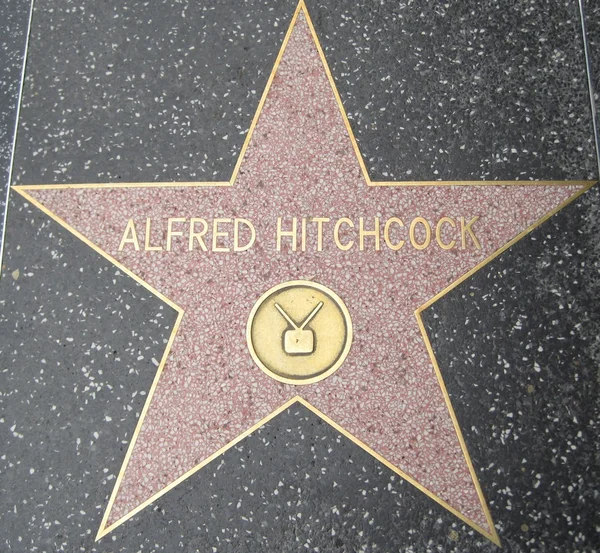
(300, 162)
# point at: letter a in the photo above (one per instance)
(130, 237)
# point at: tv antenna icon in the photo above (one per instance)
(299, 340)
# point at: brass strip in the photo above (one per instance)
(463, 445)
(338, 99)
(418, 315)
(586, 186)
(138, 428)
(103, 531)
(164, 357)
(22, 190)
(228, 184)
(484, 183)
(265, 93)
(297, 399)
(13, 147)
(493, 536)
(301, 8)
(111, 185)
(97, 249)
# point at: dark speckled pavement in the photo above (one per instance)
(131, 91)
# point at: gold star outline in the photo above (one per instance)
(301, 8)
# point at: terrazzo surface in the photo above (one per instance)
(66, 420)
(212, 391)
(14, 15)
(296, 483)
(528, 378)
(466, 90)
(592, 20)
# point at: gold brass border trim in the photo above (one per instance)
(301, 8)
(174, 330)
(484, 183)
(338, 301)
(24, 192)
(110, 185)
(586, 186)
(228, 184)
(432, 357)
(492, 536)
(103, 531)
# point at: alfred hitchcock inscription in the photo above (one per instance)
(300, 234)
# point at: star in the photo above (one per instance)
(301, 163)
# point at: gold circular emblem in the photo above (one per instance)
(299, 332)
